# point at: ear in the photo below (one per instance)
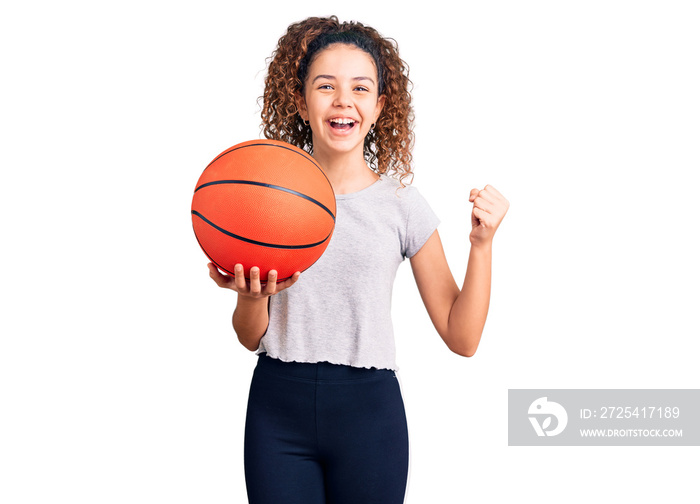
(380, 106)
(301, 106)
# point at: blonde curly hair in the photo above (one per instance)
(388, 145)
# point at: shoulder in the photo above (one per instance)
(406, 197)
(391, 187)
(390, 198)
(404, 202)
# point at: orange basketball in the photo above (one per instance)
(263, 203)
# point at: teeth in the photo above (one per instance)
(342, 121)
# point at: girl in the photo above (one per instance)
(325, 420)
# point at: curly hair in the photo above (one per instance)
(388, 145)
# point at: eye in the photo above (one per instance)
(361, 88)
(325, 86)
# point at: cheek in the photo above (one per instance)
(314, 108)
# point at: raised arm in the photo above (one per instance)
(458, 314)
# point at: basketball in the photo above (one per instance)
(263, 203)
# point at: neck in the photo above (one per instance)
(347, 174)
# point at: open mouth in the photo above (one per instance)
(341, 124)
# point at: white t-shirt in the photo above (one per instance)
(339, 311)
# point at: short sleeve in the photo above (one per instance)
(421, 223)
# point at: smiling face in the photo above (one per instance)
(341, 100)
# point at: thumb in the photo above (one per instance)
(216, 275)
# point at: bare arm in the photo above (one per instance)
(250, 318)
(458, 314)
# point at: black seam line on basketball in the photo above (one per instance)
(255, 242)
(263, 144)
(279, 280)
(270, 186)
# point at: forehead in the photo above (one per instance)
(341, 60)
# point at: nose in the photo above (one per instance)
(342, 98)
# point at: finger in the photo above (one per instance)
(483, 204)
(255, 287)
(479, 216)
(497, 204)
(239, 278)
(491, 194)
(493, 191)
(289, 281)
(473, 194)
(220, 279)
(271, 285)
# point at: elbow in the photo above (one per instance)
(249, 337)
(464, 345)
(249, 341)
(464, 351)
(248, 346)
(468, 353)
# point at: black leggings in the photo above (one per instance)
(325, 434)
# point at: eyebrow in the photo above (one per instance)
(332, 77)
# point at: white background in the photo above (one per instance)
(120, 377)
